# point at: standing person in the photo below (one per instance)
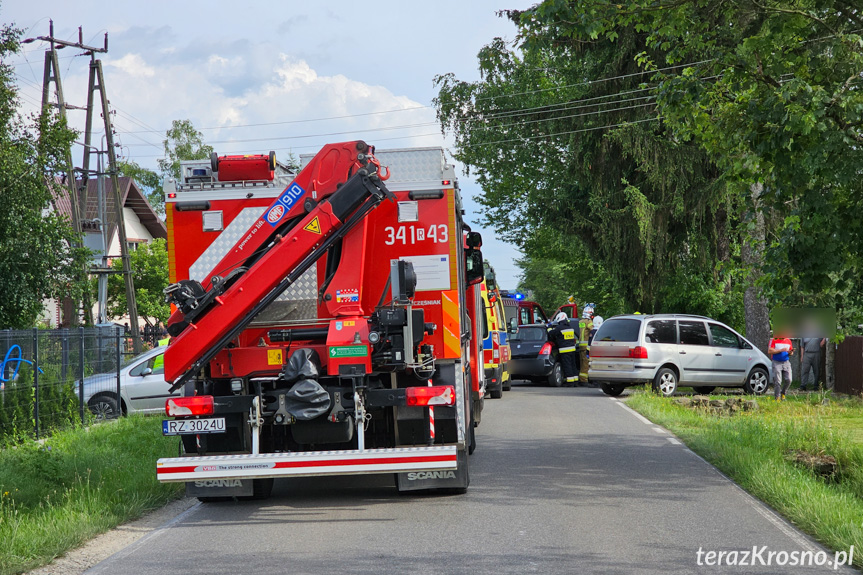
(811, 361)
(584, 327)
(780, 349)
(597, 323)
(563, 336)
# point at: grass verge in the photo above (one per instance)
(58, 494)
(753, 449)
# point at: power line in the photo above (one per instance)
(551, 107)
(318, 147)
(415, 108)
(598, 112)
(257, 125)
(305, 136)
(521, 139)
(599, 81)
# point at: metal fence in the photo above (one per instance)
(41, 370)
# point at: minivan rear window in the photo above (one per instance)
(618, 330)
(532, 334)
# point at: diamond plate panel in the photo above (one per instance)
(299, 301)
(305, 288)
(202, 269)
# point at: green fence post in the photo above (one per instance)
(36, 379)
(81, 371)
(119, 397)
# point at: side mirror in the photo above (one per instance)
(473, 240)
(474, 272)
(513, 325)
(147, 371)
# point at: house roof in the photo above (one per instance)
(132, 198)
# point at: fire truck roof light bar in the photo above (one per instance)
(312, 463)
(426, 195)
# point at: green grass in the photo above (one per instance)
(56, 495)
(752, 447)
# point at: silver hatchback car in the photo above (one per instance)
(670, 350)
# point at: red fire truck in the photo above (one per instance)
(325, 324)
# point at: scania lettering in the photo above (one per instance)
(431, 475)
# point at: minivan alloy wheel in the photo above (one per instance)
(665, 382)
(757, 382)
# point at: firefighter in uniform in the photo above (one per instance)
(159, 361)
(584, 327)
(562, 335)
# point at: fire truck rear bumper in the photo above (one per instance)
(369, 461)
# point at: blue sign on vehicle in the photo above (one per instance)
(291, 195)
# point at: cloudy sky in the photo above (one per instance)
(287, 76)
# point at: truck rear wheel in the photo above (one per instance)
(262, 488)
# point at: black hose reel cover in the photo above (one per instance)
(303, 364)
(307, 400)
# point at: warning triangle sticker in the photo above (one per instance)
(313, 226)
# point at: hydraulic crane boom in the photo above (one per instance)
(265, 264)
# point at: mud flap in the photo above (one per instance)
(454, 480)
(220, 488)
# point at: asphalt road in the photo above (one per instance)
(562, 481)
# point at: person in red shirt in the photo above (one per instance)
(780, 349)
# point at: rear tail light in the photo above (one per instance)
(186, 406)
(427, 396)
(638, 352)
(546, 349)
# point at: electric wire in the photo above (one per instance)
(569, 132)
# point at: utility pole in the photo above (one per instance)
(96, 72)
(51, 75)
(97, 82)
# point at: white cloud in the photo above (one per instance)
(133, 65)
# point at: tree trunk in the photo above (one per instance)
(752, 254)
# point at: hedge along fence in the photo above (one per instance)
(39, 374)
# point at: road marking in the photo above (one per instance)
(107, 564)
(658, 430)
(640, 417)
(762, 509)
(674, 441)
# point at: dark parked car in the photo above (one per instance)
(533, 357)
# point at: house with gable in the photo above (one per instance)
(142, 226)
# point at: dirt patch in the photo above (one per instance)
(77, 561)
(820, 463)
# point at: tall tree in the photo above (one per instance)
(562, 135)
(150, 270)
(182, 142)
(148, 181)
(36, 257)
(776, 102)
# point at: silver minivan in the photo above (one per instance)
(671, 350)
